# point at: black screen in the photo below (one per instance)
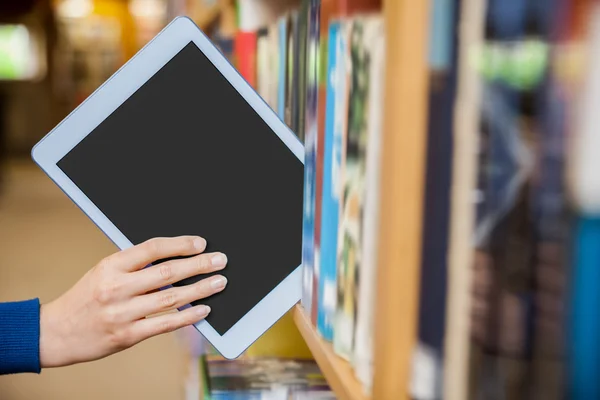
(186, 155)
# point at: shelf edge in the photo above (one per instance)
(338, 372)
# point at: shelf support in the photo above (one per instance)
(402, 195)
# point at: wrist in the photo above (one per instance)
(53, 338)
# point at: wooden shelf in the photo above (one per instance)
(338, 372)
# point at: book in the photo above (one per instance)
(335, 122)
(273, 79)
(309, 137)
(349, 257)
(265, 377)
(342, 96)
(367, 282)
(332, 119)
(282, 75)
(225, 45)
(321, 41)
(296, 82)
(291, 83)
(585, 363)
(583, 188)
(312, 129)
(301, 62)
(427, 372)
(245, 55)
(262, 64)
(349, 8)
(464, 167)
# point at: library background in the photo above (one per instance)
(451, 234)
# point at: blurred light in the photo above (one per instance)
(18, 58)
(148, 8)
(75, 8)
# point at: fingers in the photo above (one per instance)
(170, 272)
(137, 257)
(173, 298)
(149, 327)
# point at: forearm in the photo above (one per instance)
(20, 337)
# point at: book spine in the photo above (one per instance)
(312, 107)
(301, 62)
(339, 168)
(584, 182)
(290, 70)
(309, 135)
(464, 165)
(274, 66)
(282, 70)
(364, 348)
(349, 257)
(428, 354)
(585, 321)
(262, 65)
(331, 194)
(245, 55)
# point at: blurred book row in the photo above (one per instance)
(255, 378)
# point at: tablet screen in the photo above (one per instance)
(187, 155)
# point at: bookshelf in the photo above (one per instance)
(338, 372)
(400, 217)
(405, 354)
(402, 166)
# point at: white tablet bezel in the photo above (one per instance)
(106, 99)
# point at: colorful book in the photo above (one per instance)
(335, 122)
(584, 187)
(325, 14)
(311, 129)
(349, 256)
(331, 108)
(245, 55)
(308, 225)
(367, 284)
(265, 378)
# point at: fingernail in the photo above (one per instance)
(203, 311)
(218, 260)
(218, 283)
(200, 244)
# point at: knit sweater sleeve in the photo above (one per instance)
(20, 337)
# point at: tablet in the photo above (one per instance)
(177, 143)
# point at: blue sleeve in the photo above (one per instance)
(20, 337)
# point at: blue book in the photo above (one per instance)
(308, 225)
(585, 326)
(332, 160)
(441, 34)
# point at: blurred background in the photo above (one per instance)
(52, 55)
(452, 194)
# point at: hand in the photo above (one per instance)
(107, 310)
